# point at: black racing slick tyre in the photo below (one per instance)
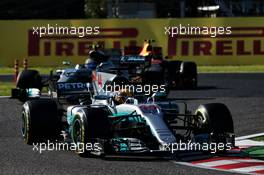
(214, 118)
(153, 75)
(173, 65)
(89, 126)
(215, 121)
(39, 121)
(29, 79)
(188, 74)
(171, 73)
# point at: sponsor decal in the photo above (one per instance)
(62, 87)
(132, 59)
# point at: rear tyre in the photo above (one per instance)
(167, 79)
(29, 79)
(188, 74)
(153, 78)
(171, 73)
(174, 65)
(39, 121)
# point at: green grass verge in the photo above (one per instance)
(255, 152)
(9, 70)
(260, 138)
(5, 88)
(231, 69)
(201, 69)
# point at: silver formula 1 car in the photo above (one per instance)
(122, 124)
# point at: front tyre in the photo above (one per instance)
(79, 135)
(39, 121)
(91, 128)
(215, 120)
(214, 117)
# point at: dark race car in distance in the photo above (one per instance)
(147, 65)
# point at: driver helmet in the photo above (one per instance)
(90, 64)
(122, 95)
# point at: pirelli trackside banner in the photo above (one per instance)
(207, 41)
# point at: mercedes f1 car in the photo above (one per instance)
(30, 83)
(83, 112)
(120, 123)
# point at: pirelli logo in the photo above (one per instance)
(242, 42)
(70, 45)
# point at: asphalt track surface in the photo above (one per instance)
(242, 93)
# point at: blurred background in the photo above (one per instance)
(83, 9)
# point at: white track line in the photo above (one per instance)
(251, 168)
(216, 163)
(248, 143)
(250, 136)
(243, 170)
(4, 96)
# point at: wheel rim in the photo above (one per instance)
(200, 120)
(24, 124)
(77, 132)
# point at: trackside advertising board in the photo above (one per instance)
(207, 41)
